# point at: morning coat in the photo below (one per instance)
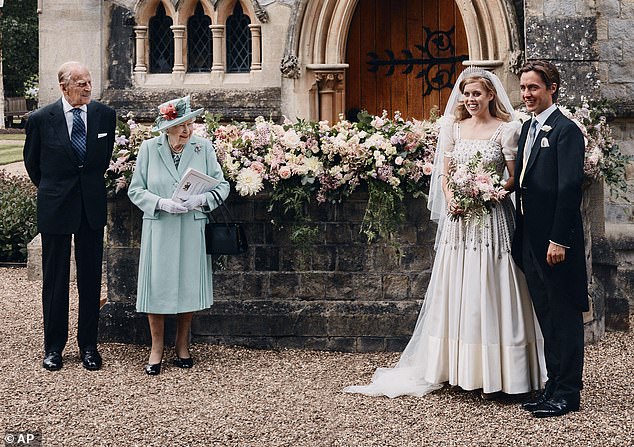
(550, 195)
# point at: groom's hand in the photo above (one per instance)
(556, 254)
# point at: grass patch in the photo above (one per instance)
(12, 136)
(10, 153)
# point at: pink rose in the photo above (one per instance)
(257, 167)
(285, 172)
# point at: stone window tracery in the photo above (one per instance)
(238, 41)
(195, 37)
(199, 52)
(161, 42)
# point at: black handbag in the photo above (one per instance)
(225, 238)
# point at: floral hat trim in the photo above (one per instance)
(174, 112)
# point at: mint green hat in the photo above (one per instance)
(174, 112)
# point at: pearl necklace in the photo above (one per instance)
(173, 150)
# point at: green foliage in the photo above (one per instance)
(212, 120)
(613, 171)
(19, 31)
(17, 216)
(385, 211)
(614, 161)
(32, 87)
(289, 203)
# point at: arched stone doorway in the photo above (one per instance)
(320, 41)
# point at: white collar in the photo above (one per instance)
(543, 116)
(67, 107)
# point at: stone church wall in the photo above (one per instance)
(341, 294)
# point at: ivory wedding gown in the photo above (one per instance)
(477, 328)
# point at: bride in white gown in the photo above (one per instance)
(477, 328)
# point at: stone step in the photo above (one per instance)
(34, 260)
(621, 236)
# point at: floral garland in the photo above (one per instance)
(603, 157)
(305, 161)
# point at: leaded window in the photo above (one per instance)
(238, 41)
(161, 42)
(198, 42)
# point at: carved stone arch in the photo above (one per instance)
(143, 12)
(492, 36)
(225, 9)
(146, 9)
(491, 26)
(187, 8)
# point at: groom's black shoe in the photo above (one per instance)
(557, 406)
(532, 404)
(52, 361)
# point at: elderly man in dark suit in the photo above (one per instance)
(66, 153)
(548, 243)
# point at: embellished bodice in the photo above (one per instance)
(494, 230)
(491, 150)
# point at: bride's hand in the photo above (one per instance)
(454, 209)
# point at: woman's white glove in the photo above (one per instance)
(195, 201)
(169, 206)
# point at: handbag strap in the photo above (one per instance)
(224, 209)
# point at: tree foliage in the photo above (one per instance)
(19, 33)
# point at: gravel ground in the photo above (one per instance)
(243, 397)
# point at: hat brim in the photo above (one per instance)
(166, 124)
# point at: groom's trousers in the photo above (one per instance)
(561, 323)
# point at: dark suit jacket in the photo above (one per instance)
(551, 198)
(63, 187)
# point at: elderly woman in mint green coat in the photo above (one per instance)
(174, 269)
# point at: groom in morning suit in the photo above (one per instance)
(66, 153)
(548, 243)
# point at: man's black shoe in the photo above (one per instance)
(91, 359)
(52, 361)
(555, 407)
(532, 404)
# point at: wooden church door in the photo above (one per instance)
(403, 55)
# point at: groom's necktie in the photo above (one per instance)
(78, 136)
(530, 140)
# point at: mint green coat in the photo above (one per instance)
(174, 270)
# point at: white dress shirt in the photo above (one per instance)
(542, 117)
(68, 114)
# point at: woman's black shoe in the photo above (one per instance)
(184, 363)
(153, 370)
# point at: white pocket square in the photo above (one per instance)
(101, 135)
(544, 142)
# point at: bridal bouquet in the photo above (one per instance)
(476, 188)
